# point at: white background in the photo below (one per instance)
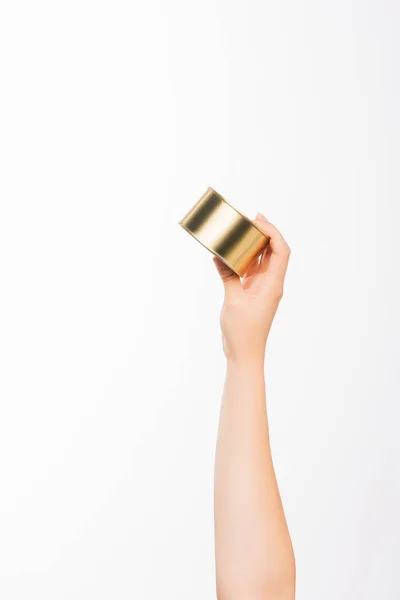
(115, 117)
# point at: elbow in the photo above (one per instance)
(268, 592)
(277, 586)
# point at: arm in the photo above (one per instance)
(254, 555)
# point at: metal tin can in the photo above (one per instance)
(225, 231)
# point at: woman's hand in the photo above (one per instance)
(251, 303)
(254, 554)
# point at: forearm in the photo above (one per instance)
(254, 554)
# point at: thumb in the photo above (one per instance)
(229, 278)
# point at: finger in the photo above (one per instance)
(229, 278)
(265, 258)
(255, 265)
(274, 264)
(253, 269)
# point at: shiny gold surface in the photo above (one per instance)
(225, 231)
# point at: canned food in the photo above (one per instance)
(225, 231)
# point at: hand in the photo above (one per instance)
(250, 304)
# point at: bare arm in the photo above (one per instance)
(254, 555)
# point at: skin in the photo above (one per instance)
(254, 554)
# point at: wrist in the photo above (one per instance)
(246, 362)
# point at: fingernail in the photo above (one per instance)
(261, 217)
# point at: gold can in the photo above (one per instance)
(225, 231)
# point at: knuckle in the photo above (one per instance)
(228, 276)
(287, 251)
